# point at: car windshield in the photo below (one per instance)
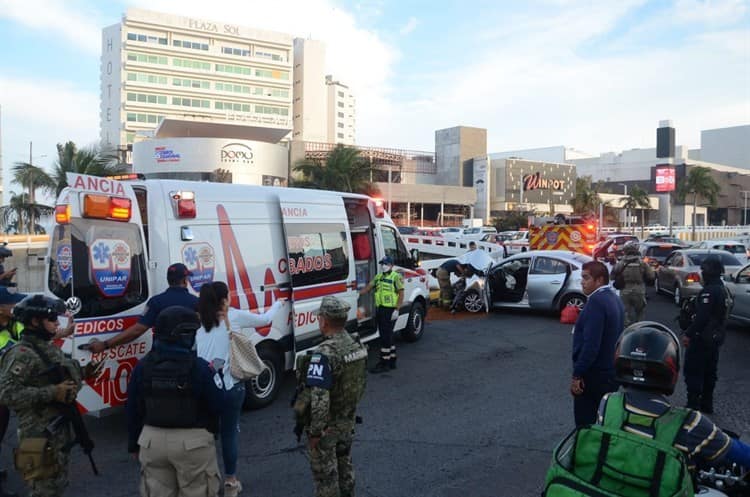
(726, 259)
(732, 248)
(518, 235)
(660, 251)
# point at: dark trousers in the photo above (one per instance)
(701, 368)
(385, 327)
(586, 405)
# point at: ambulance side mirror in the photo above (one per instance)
(414, 253)
(186, 234)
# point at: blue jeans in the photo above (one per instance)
(230, 426)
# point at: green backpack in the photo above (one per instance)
(606, 461)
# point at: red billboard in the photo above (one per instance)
(665, 179)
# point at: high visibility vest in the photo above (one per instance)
(387, 286)
(9, 335)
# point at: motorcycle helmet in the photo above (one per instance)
(38, 306)
(177, 324)
(5, 251)
(630, 248)
(647, 356)
(712, 267)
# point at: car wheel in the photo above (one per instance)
(473, 301)
(415, 326)
(263, 389)
(677, 295)
(575, 299)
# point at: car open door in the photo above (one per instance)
(320, 261)
(546, 278)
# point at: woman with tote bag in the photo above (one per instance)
(221, 325)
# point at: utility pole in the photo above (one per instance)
(744, 211)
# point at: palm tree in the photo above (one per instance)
(344, 170)
(21, 212)
(586, 200)
(637, 199)
(698, 182)
(32, 178)
(93, 161)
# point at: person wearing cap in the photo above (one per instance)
(705, 335)
(173, 407)
(335, 379)
(176, 294)
(389, 295)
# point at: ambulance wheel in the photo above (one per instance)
(415, 326)
(263, 389)
(473, 301)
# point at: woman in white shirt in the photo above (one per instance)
(212, 343)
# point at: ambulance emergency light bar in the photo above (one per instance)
(106, 207)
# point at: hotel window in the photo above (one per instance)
(341, 114)
(147, 99)
(228, 68)
(278, 111)
(341, 104)
(241, 52)
(191, 64)
(340, 135)
(269, 55)
(191, 83)
(194, 45)
(232, 88)
(147, 38)
(270, 92)
(144, 118)
(233, 106)
(147, 78)
(191, 102)
(269, 73)
(341, 94)
(148, 59)
(340, 125)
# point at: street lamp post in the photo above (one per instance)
(744, 211)
(627, 210)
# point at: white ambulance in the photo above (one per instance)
(112, 242)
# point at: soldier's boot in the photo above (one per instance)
(392, 363)
(694, 401)
(381, 367)
(707, 403)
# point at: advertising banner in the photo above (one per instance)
(665, 179)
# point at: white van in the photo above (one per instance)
(112, 242)
(478, 233)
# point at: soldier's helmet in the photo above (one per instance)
(5, 251)
(177, 324)
(334, 308)
(38, 306)
(712, 266)
(648, 356)
(630, 248)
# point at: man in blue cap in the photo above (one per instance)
(389, 295)
(176, 294)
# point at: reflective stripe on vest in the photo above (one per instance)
(8, 339)
(386, 294)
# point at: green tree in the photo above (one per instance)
(31, 178)
(586, 200)
(637, 199)
(93, 161)
(19, 215)
(511, 220)
(344, 170)
(698, 183)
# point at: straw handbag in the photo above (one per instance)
(245, 363)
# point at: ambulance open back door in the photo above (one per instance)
(320, 261)
(97, 264)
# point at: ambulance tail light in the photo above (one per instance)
(590, 226)
(62, 214)
(184, 204)
(106, 207)
(693, 278)
(379, 207)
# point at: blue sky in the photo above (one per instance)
(593, 75)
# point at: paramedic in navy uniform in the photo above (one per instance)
(176, 294)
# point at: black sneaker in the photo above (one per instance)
(380, 367)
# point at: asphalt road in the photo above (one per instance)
(474, 409)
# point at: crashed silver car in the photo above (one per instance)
(540, 279)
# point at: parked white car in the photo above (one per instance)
(478, 233)
(738, 249)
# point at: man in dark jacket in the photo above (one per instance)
(594, 338)
(444, 280)
(173, 406)
(704, 336)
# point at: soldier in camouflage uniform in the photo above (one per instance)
(26, 388)
(636, 273)
(333, 384)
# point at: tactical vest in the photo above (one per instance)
(349, 386)
(386, 294)
(633, 273)
(169, 398)
(9, 335)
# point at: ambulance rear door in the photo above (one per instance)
(320, 260)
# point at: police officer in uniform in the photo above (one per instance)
(176, 294)
(335, 379)
(647, 365)
(635, 272)
(26, 388)
(705, 335)
(389, 295)
(173, 406)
